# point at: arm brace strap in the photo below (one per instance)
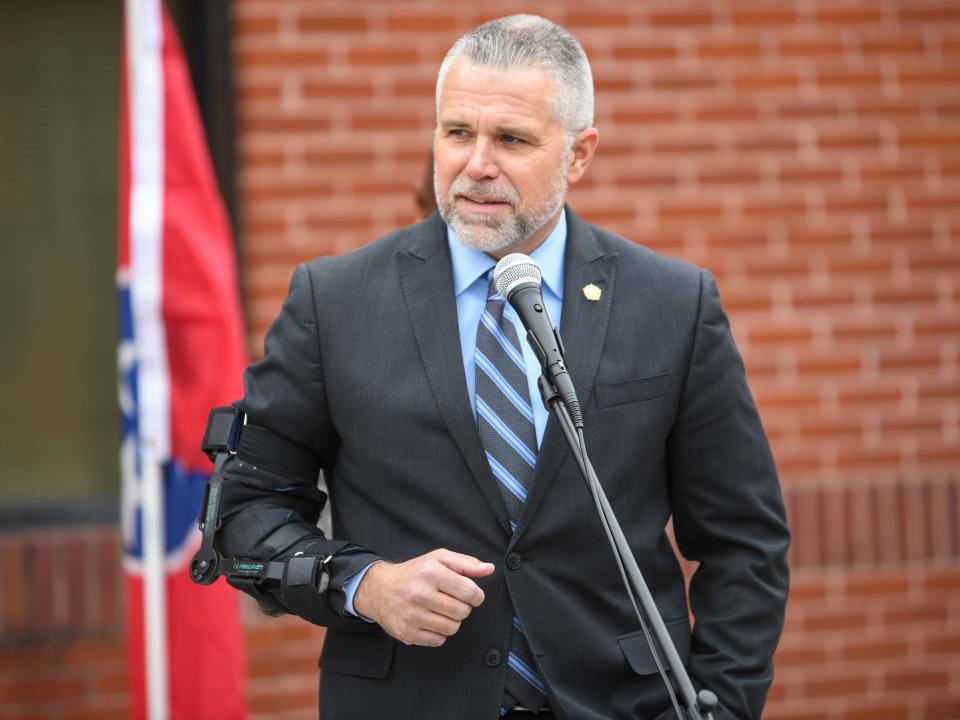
(228, 430)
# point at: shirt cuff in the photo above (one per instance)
(350, 589)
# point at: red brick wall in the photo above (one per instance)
(807, 152)
(62, 655)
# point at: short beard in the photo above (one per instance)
(490, 234)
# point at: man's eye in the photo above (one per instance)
(458, 133)
(511, 139)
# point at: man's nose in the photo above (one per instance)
(482, 163)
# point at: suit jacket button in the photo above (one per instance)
(493, 657)
(513, 561)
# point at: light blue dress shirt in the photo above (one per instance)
(470, 282)
(471, 278)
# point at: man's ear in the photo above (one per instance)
(584, 146)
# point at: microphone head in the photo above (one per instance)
(514, 270)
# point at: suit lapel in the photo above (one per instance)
(426, 278)
(583, 329)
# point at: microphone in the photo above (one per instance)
(517, 278)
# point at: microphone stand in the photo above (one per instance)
(699, 706)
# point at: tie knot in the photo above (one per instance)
(493, 295)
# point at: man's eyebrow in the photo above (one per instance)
(516, 132)
(456, 123)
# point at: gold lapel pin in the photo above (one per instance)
(592, 293)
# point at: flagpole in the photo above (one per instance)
(180, 318)
(145, 90)
(154, 588)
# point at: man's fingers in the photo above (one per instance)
(439, 624)
(426, 638)
(424, 600)
(461, 588)
(448, 605)
(464, 564)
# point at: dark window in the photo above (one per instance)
(59, 83)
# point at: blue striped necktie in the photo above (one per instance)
(509, 437)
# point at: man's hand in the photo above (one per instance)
(424, 600)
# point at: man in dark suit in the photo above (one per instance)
(469, 575)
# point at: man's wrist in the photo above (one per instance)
(364, 599)
(357, 593)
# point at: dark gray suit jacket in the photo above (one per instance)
(363, 367)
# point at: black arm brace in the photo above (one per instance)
(300, 578)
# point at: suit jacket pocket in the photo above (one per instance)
(635, 648)
(348, 653)
(628, 391)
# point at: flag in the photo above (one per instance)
(181, 352)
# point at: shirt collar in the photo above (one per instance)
(470, 264)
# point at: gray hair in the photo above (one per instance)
(522, 41)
